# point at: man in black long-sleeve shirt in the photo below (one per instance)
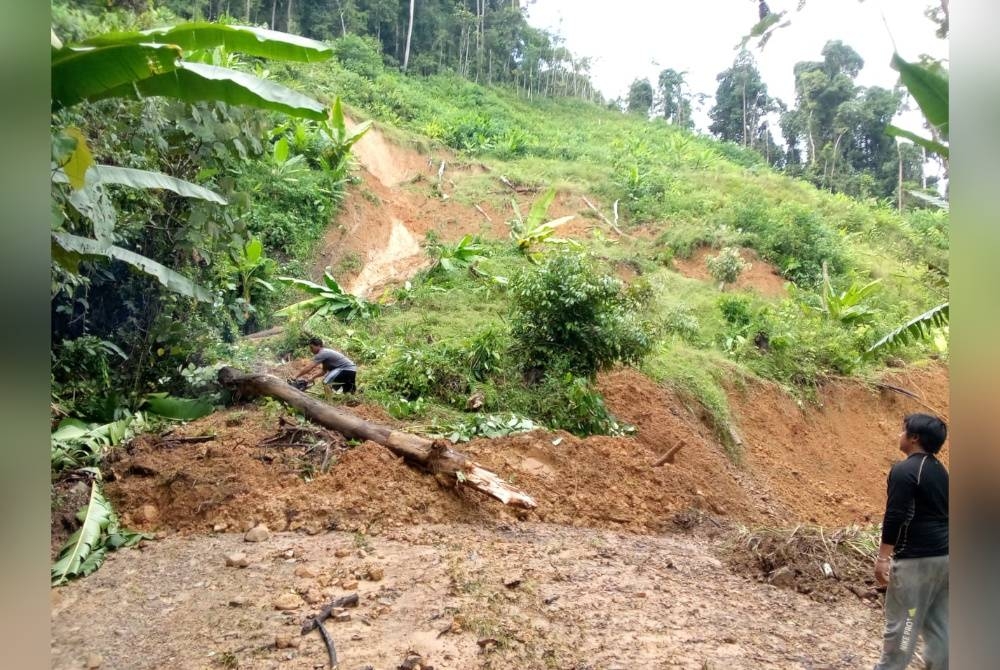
(913, 556)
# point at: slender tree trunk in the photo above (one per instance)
(744, 113)
(430, 455)
(288, 20)
(899, 151)
(274, 12)
(409, 34)
(247, 14)
(812, 143)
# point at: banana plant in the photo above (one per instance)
(251, 266)
(328, 299)
(151, 63)
(339, 138)
(532, 232)
(466, 253)
(916, 329)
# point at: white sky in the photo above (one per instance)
(630, 39)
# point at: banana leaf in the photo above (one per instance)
(181, 409)
(83, 553)
(201, 35)
(68, 249)
(197, 82)
(88, 73)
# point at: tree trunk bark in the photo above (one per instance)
(274, 12)
(433, 456)
(409, 34)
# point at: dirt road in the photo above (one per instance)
(525, 595)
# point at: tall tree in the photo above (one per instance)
(640, 97)
(675, 104)
(409, 34)
(742, 104)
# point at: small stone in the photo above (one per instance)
(237, 560)
(375, 574)
(239, 601)
(513, 582)
(342, 553)
(349, 584)
(286, 642)
(287, 601)
(220, 527)
(94, 661)
(305, 572)
(342, 616)
(258, 533)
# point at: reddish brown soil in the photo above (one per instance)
(823, 464)
(760, 276)
(828, 464)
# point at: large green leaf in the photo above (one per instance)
(93, 202)
(65, 247)
(540, 208)
(929, 144)
(197, 82)
(912, 331)
(182, 409)
(304, 284)
(95, 518)
(88, 73)
(112, 174)
(929, 87)
(244, 39)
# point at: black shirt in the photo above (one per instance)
(916, 512)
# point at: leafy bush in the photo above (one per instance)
(437, 371)
(727, 266)
(360, 55)
(566, 310)
(571, 403)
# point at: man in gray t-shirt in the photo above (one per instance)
(338, 371)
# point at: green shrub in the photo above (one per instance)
(360, 55)
(571, 403)
(437, 371)
(566, 309)
(727, 266)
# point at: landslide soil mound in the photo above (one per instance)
(759, 275)
(823, 464)
(827, 463)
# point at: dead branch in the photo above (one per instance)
(613, 226)
(481, 211)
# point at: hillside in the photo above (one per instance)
(781, 425)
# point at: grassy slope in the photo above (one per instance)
(688, 190)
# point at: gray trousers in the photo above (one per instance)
(916, 603)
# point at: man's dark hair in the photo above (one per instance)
(929, 430)
(315, 341)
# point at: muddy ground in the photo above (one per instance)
(520, 595)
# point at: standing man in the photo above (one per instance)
(913, 556)
(338, 371)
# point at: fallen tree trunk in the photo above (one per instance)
(433, 456)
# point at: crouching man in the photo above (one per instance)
(338, 371)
